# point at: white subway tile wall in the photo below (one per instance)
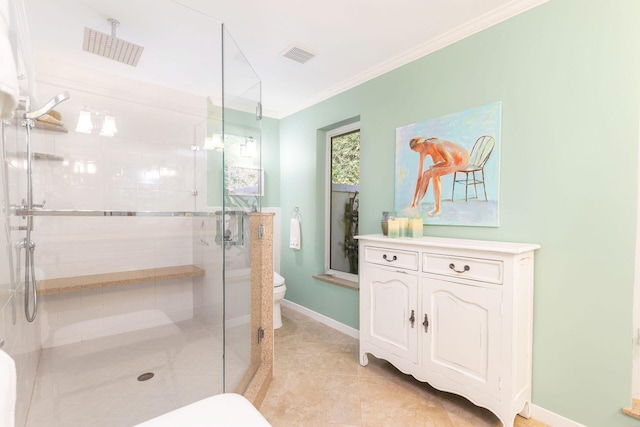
(148, 166)
(21, 339)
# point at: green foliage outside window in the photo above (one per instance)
(345, 159)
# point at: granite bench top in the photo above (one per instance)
(120, 278)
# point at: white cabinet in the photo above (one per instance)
(392, 299)
(454, 313)
(463, 345)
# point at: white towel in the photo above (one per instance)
(294, 234)
(7, 390)
(9, 89)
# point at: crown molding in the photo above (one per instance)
(463, 31)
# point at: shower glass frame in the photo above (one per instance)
(77, 229)
(243, 188)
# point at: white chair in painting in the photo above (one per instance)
(482, 149)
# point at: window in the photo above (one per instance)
(342, 200)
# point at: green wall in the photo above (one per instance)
(567, 73)
(271, 161)
(243, 123)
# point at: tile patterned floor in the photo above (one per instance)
(94, 383)
(319, 383)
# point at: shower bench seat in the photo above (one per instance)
(120, 278)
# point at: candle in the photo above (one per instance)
(403, 225)
(393, 228)
(416, 228)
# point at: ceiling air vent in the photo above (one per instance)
(298, 54)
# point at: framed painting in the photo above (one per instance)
(241, 181)
(448, 168)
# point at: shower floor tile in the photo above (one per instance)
(95, 382)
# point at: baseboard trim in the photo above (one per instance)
(341, 327)
(537, 412)
(551, 418)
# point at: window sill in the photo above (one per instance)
(634, 411)
(337, 281)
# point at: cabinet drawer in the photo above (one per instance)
(485, 270)
(391, 257)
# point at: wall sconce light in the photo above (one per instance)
(85, 125)
(213, 142)
(109, 126)
(89, 120)
(249, 147)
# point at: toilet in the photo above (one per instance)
(279, 289)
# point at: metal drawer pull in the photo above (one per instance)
(412, 319)
(453, 267)
(426, 323)
(384, 257)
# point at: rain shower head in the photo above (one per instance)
(110, 46)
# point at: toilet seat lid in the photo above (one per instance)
(278, 280)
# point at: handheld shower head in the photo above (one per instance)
(62, 96)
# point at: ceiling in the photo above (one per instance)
(355, 40)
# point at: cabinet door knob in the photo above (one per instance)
(426, 323)
(453, 267)
(412, 319)
(384, 257)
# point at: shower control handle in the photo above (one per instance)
(41, 206)
(22, 244)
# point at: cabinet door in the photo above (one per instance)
(388, 300)
(463, 338)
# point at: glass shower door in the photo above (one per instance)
(143, 255)
(243, 179)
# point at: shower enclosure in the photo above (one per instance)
(125, 292)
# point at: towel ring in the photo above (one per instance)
(295, 214)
